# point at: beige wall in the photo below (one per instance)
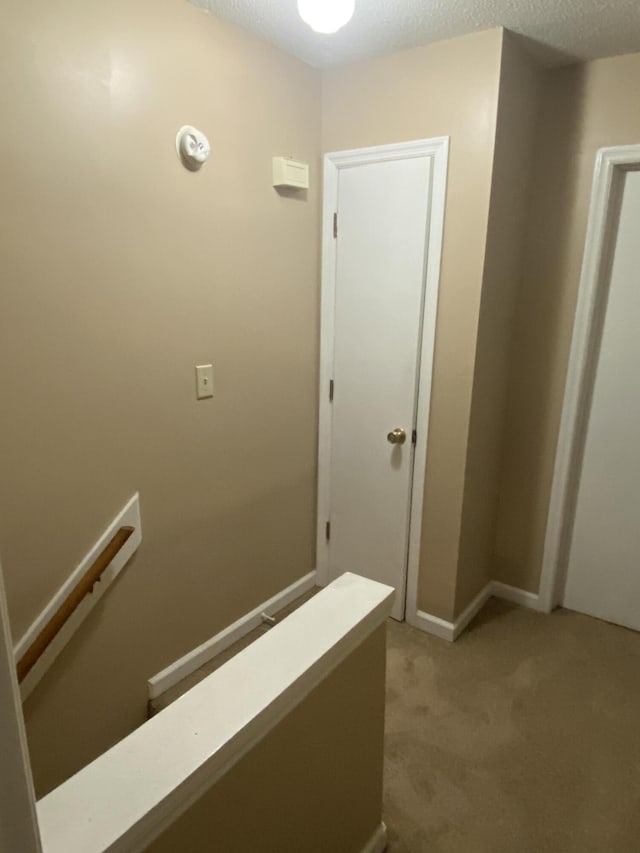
(519, 100)
(445, 89)
(313, 784)
(585, 107)
(120, 271)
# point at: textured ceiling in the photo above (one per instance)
(560, 30)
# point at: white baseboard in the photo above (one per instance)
(452, 630)
(128, 516)
(193, 660)
(472, 610)
(431, 625)
(378, 841)
(517, 596)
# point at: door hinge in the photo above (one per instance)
(327, 530)
(335, 226)
(331, 390)
(414, 436)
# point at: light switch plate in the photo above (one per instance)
(204, 381)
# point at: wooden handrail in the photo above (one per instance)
(62, 614)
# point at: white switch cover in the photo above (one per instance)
(204, 381)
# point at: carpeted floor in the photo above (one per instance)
(521, 737)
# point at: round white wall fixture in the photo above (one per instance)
(192, 147)
(326, 16)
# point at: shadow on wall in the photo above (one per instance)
(544, 54)
(542, 332)
(293, 193)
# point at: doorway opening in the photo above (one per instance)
(594, 426)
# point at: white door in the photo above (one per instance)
(382, 223)
(603, 575)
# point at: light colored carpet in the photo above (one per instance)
(521, 737)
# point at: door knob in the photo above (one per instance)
(397, 436)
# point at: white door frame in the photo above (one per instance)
(606, 194)
(18, 819)
(437, 150)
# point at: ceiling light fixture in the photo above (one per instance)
(326, 16)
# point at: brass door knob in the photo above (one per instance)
(397, 436)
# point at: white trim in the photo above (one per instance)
(128, 796)
(611, 163)
(427, 349)
(129, 515)
(198, 657)
(471, 610)
(378, 841)
(516, 595)
(433, 625)
(438, 150)
(18, 821)
(451, 630)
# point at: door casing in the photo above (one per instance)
(606, 193)
(438, 150)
